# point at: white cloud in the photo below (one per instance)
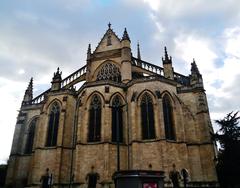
(10, 102)
(154, 4)
(38, 37)
(188, 46)
(232, 36)
(21, 71)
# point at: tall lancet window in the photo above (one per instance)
(117, 120)
(53, 125)
(147, 114)
(30, 136)
(168, 118)
(94, 131)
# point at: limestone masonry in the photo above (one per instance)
(158, 117)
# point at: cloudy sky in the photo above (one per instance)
(38, 36)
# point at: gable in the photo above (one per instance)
(110, 41)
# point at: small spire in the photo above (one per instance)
(56, 80)
(29, 91)
(109, 25)
(194, 68)
(138, 51)
(166, 53)
(30, 85)
(89, 51)
(125, 35)
(57, 75)
(167, 59)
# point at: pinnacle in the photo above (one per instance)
(109, 25)
(138, 51)
(167, 59)
(194, 68)
(125, 35)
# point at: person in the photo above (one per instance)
(45, 179)
(92, 178)
(185, 176)
(174, 176)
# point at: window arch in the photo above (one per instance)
(53, 124)
(147, 114)
(94, 131)
(168, 118)
(30, 136)
(109, 71)
(117, 119)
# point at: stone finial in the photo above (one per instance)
(138, 51)
(166, 59)
(56, 80)
(109, 25)
(28, 96)
(125, 35)
(194, 68)
(89, 51)
(57, 75)
(195, 77)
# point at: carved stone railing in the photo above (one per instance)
(70, 80)
(66, 82)
(148, 66)
(40, 98)
(181, 79)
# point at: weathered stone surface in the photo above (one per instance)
(192, 149)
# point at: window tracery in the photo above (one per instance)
(94, 131)
(147, 114)
(53, 125)
(168, 118)
(109, 71)
(117, 119)
(30, 136)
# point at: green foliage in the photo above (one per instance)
(228, 136)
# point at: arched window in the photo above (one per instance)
(117, 119)
(168, 118)
(94, 131)
(30, 136)
(53, 124)
(147, 114)
(109, 71)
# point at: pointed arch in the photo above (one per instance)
(147, 114)
(30, 136)
(117, 119)
(168, 118)
(95, 110)
(109, 71)
(53, 124)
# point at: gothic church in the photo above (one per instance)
(157, 116)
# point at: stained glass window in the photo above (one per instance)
(117, 119)
(168, 118)
(147, 114)
(109, 71)
(53, 124)
(94, 131)
(30, 136)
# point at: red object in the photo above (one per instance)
(150, 185)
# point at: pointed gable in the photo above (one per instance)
(109, 41)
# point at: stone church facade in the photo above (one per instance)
(158, 117)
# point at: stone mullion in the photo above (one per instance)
(106, 128)
(157, 119)
(161, 120)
